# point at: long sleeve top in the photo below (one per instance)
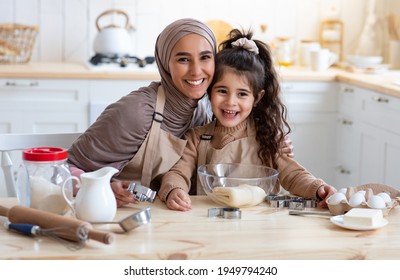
(292, 176)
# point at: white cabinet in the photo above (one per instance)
(41, 105)
(62, 105)
(347, 142)
(369, 144)
(379, 138)
(312, 111)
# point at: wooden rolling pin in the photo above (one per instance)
(68, 226)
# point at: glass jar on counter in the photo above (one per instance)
(284, 51)
(40, 179)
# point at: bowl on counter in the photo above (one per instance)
(237, 185)
(364, 61)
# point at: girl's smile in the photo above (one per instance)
(232, 99)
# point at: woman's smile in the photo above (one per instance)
(192, 65)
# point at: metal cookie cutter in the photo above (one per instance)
(296, 203)
(141, 192)
(225, 212)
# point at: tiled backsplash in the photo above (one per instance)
(67, 27)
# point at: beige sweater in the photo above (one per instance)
(292, 176)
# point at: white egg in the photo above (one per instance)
(336, 198)
(362, 192)
(356, 199)
(386, 197)
(343, 190)
(376, 202)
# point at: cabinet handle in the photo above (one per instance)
(380, 99)
(346, 122)
(342, 170)
(348, 89)
(27, 84)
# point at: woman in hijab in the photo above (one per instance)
(141, 134)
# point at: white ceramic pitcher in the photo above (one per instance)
(95, 201)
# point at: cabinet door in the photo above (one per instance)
(41, 106)
(379, 156)
(312, 109)
(391, 156)
(380, 110)
(347, 148)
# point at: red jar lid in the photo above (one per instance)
(45, 154)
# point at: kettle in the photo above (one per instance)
(113, 40)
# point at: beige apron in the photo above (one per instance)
(243, 150)
(157, 154)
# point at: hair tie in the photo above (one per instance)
(246, 44)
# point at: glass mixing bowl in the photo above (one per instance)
(237, 185)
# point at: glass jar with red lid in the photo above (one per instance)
(40, 178)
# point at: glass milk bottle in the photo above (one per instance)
(40, 179)
(284, 51)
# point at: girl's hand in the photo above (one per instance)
(179, 200)
(122, 195)
(287, 147)
(324, 192)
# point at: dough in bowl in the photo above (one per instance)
(240, 196)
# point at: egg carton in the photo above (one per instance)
(343, 206)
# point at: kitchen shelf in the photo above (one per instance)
(331, 36)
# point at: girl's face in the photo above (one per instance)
(232, 99)
(192, 65)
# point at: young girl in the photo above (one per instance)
(249, 123)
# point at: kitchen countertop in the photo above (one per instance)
(48, 70)
(387, 82)
(262, 233)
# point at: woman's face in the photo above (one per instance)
(232, 99)
(192, 65)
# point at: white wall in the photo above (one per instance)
(67, 27)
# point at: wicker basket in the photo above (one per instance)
(16, 42)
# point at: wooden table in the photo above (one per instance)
(262, 233)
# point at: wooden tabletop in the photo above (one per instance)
(261, 233)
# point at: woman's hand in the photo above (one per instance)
(178, 199)
(287, 147)
(122, 195)
(324, 192)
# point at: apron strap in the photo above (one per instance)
(203, 148)
(153, 138)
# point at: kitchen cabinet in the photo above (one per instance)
(312, 111)
(41, 105)
(346, 171)
(369, 142)
(379, 138)
(57, 105)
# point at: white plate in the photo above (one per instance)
(338, 220)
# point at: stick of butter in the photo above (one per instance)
(363, 217)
